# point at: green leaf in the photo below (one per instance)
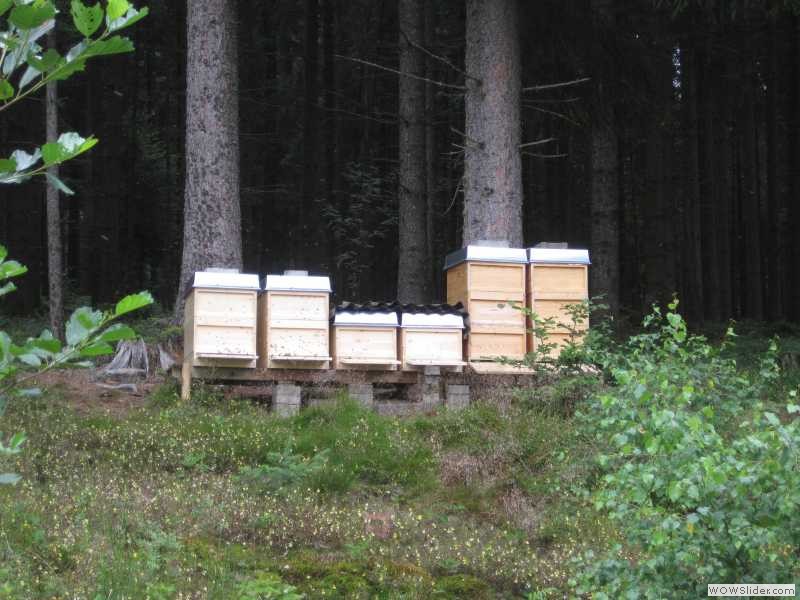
(66, 70)
(11, 268)
(97, 349)
(87, 19)
(31, 360)
(116, 8)
(59, 185)
(5, 5)
(133, 302)
(113, 45)
(7, 288)
(116, 333)
(131, 17)
(8, 165)
(3, 253)
(674, 491)
(30, 16)
(9, 478)
(68, 146)
(792, 408)
(82, 323)
(6, 90)
(45, 63)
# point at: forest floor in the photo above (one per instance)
(140, 496)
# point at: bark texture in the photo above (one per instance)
(212, 219)
(55, 262)
(413, 267)
(492, 162)
(605, 174)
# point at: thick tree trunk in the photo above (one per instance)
(434, 265)
(723, 173)
(413, 265)
(212, 218)
(493, 165)
(55, 267)
(709, 189)
(308, 243)
(605, 178)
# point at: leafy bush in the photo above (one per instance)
(701, 478)
(285, 469)
(267, 586)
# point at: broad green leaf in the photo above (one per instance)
(68, 69)
(49, 344)
(133, 302)
(792, 409)
(7, 288)
(11, 268)
(8, 165)
(59, 185)
(81, 324)
(131, 17)
(46, 62)
(116, 8)
(5, 5)
(97, 349)
(87, 19)
(113, 45)
(6, 90)
(25, 160)
(30, 359)
(3, 253)
(68, 146)
(16, 441)
(28, 76)
(116, 333)
(9, 478)
(30, 16)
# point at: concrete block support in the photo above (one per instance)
(362, 393)
(286, 399)
(431, 388)
(457, 397)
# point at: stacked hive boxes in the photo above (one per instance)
(557, 278)
(365, 339)
(220, 320)
(489, 281)
(293, 322)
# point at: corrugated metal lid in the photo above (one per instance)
(485, 254)
(297, 283)
(225, 280)
(432, 320)
(574, 256)
(369, 319)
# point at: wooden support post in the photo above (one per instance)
(186, 380)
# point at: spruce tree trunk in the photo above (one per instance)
(55, 267)
(413, 266)
(605, 177)
(434, 266)
(492, 163)
(308, 223)
(212, 216)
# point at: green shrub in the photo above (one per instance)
(700, 477)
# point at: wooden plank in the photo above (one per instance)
(456, 284)
(491, 345)
(565, 281)
(499, 368)
(496, 277)
(430, 345)
(294, 325)
(305, 375)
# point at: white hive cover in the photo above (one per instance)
(485, 254)
(231, 280)
(370, 319)
(297, 283)
(422, 320)
(573, 256)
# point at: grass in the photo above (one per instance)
(156, 504)
(220, 499)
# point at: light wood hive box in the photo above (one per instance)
(365, 341)
(293, 322)
(220, 320)
(431, 340)
(489, 281)
(557, 278)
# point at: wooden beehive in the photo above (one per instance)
(220, 320)
(431, 340)
(489, 281)
(293, 322)
(557, 277)
(365, 340)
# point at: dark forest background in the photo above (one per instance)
(704, 99)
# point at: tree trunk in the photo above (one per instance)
(492, 164)
(709, 188)
(308, 222)
(212, 223)
(431, 157)
(55, 267)
(413, 265)
(605, 177)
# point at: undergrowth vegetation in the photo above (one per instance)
(673, 465)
